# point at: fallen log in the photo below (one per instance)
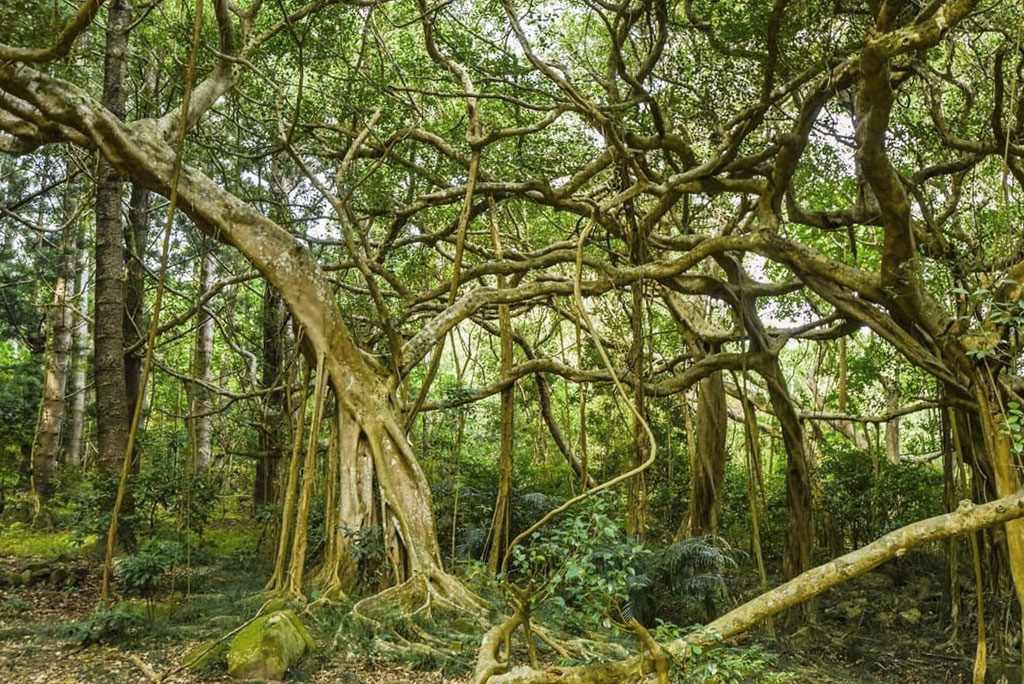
(966, 518)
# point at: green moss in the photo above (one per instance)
(268, 646)
(150, 610)
(206, 657)
(231, 540)
(20, 541)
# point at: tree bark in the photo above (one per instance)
(112, 413)
(271, 440)
(892, 427)
(800, 531)
(707, 462)
(501, 521)
(79, 364)
(135, 292)
(202, 370)
(636, 519)
(46, 445)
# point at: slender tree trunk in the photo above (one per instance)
(202, 370)
(502, 518)
(501, 521)
(79, 364)
(46, 446)
(112, 413)
(892, 427)
(636, 520)
(135, 291)
(279, 579)
(755, 492)
(707, 464)
(300, 541)
(800, 532)
(271, 444)
(996, 435)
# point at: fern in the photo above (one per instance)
(680, 580)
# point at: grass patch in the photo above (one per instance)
(20, 541)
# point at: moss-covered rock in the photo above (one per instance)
(205, 657)
(268, 646)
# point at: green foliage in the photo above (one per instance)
(18, 540)
(588, 562)
(106, 626)
(681, 581)
(85, 499)
(142, 572)
(863, 505)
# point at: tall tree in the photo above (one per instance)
(46, 446)
(272, 440)
(707, 462)
(112, 410)
(74, 449)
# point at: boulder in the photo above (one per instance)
(268, 646)
(206, 656)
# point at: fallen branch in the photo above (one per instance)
(150, 673)
(966, 518)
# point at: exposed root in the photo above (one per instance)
(418, 595)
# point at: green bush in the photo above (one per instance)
(141, 573)
(863, 506)
(105, 626)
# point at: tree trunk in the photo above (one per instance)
(202, 371)
(996, 435)
(271, 443)
(46, 446)
(112, 413)
(360, 383)
(707, 463)
(800, 532)
(135, 291)
(502, 519)
(892, 427)
(636, 520)
(79, 364)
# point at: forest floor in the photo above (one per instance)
(884, 627)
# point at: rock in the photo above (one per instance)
(268, 646)
(206, 656)
(911, 616)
